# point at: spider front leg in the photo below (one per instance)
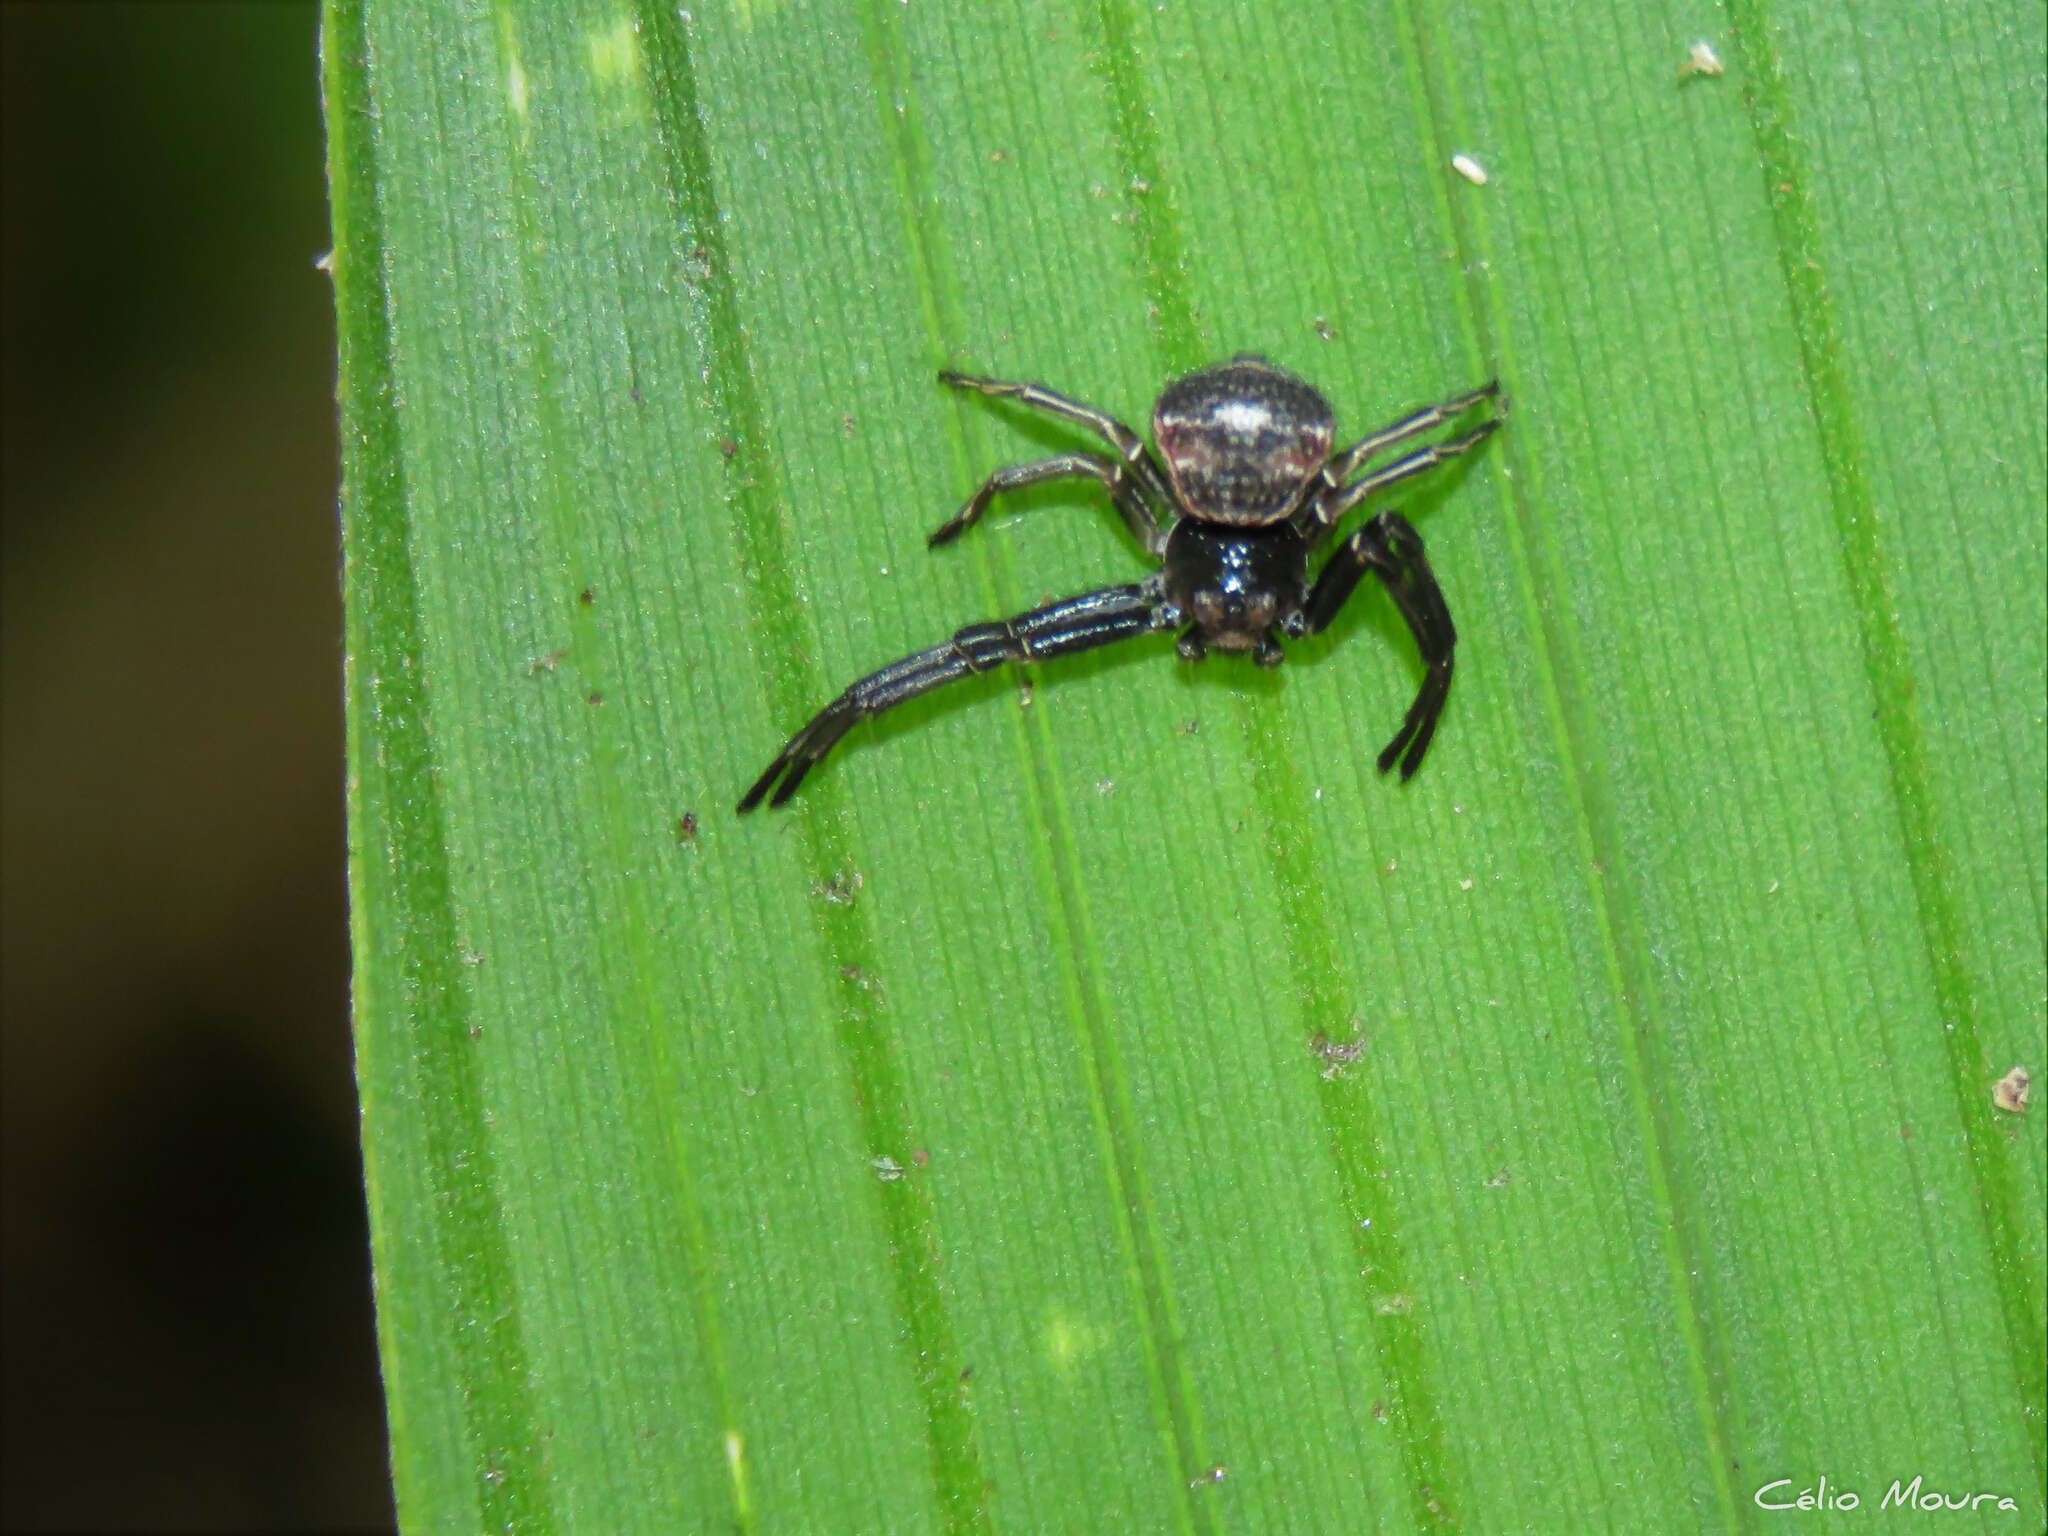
(1137, 516)
(1390, 546)
(1077, 624)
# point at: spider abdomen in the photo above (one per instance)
(1242, 439)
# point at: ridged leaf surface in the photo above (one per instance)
(1102, 1101)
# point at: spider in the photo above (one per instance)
(1248, 491)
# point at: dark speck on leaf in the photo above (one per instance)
(840, 890)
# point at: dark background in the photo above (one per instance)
(188, 1340)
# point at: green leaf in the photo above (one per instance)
(1103, 1101)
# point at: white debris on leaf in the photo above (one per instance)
(1701, 61)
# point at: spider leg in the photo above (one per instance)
(1390, 546)
(1326, 508)
(1344, 465)
(1137, 516)
(1129, 446)
(1329, 509)
(1077, 624)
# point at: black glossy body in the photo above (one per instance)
(1243, 491)
(1238, 588)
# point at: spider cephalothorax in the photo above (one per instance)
(1248, 490)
